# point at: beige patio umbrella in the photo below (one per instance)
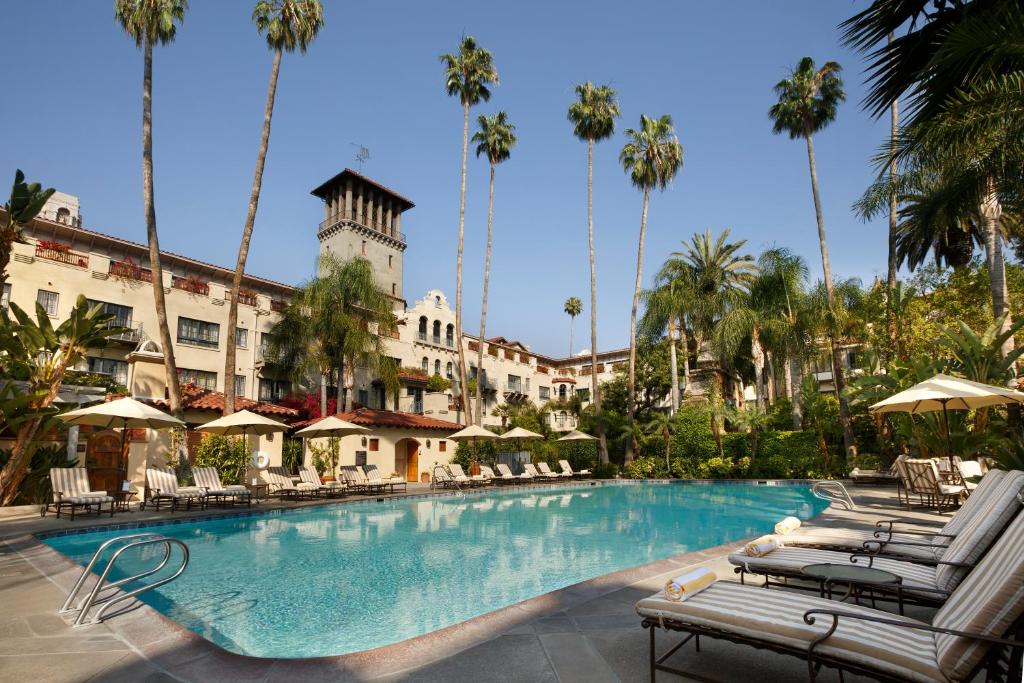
(124, 413)
(944, 392)
(520, 433)
(576, 435)
(473, 432)
(243, 422)
(330, 426)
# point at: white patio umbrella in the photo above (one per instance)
(520, 433)
(472, 433)
(944, 392)
(575, 435)
(124, 413)
(330, 426)
(243, 422)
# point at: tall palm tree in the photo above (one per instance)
(593, 117)
(662, 424)
(894, 125)
(495, 140)
(665, 308)
(808, 101)
(150, 22)
(288, 25)
(467, 74)
(573, 307)
(651, 156)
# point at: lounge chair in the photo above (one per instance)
(463, 479)
(505, 475)
(373, 475)
(162, 489)
(927, 482)
(969, 470)
(490, 476)
(877, 476)
(441, 478)
(922, 580)
(282, 486)
(546, 471)
(71, 491)
(564, 464)
(533, 472)
(354, 480)
(309, 475)
(914, 541)
(979, 615)
(209, 478)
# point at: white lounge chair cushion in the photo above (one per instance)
(854, 540)
(792, 560)
(777, 617)
(306, 486)
(87, 500)
(236, 488)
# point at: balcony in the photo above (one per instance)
(362, 221)
(264, 355)
(515, 390)
(131, 335)
(191, 285)
(247, 297)
(130, 271)
(61, 253)
(278, 306)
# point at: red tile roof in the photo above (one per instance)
(195, 398)
(412, 377)
(368, 417)
(566, 380)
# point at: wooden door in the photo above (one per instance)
(104, 459)
(412, 462)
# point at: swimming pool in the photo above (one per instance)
(335, 579)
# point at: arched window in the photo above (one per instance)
(63, 215)
(437, 301)
(448, 371)
(425, 364)
(449, 335)
(561, 391)
(423, 327)
(437, 367)
(437, 332)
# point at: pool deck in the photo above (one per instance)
(588, 632)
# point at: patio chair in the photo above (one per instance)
(309, 475)
(927, 482)
(374, 476)
(922, 580)
(490, 476)
(564, 464)
(463, 479)
(505, 474)
(968, 470)
(282, 486)
(209, 478)
(877, 476)
(891, 538)
(970, 631)
(354, 482)
(546, 471)
(530, 469)
(441, 478)
(71, 491)
(162, 489)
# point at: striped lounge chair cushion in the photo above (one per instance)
(989, 600)
(165, 481)
(777, 617)
(72, 482)
(280, 479)
(209, 478)
(792, 560)
(88, 500)
(854, 539)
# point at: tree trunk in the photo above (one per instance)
(793, 382)
(572, 329)
(673, 363)
(170, 367)
(323, 395)
(463, 375)
(487, 277)
(341, 395)
(668, 451)
(757, 355)
(243, 247)
(838, 376)
(595, 387)
(685, 343)
(991, 212)
(631, 395)
(894, 123)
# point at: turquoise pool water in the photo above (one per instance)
(334, 579)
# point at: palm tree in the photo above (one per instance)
(662, 424)
(288, 25)
(333, 324)
(808, 101)
(150, 22)
(894, 125)
(573, 307)
(467, 75)
(495, 139)
(665, 309)
(593, 117)
(652, 157)
(27, 200)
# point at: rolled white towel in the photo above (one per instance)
(687, 585)
(760, 547)
(787, 526)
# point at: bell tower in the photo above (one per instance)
(364, 218)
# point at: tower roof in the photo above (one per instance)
(348, 174)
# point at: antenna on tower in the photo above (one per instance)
(362, 155)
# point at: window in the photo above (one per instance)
(201, 378)
(63, 215)
(117, 369)
(583, 394)
(442, 446)
(394, 289)
(240, 385)
(423, 328)
(544, 393)
(437, 367)
(448, 371)
(364, 247)
(48, 300)
(390, 257)
(561, 391)
(274, 389)
(374, 444)
(122, 314)
(5, 298)
(198, 332)
(449, 336)
(363, 398)
(425, 364)
(241, 337)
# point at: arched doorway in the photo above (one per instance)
(103, 459)
(407, 459)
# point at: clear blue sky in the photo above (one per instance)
(72, 119)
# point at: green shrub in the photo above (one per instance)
(36, 486)
(582, 455)
(606, 470)
(693, 437)
(291, 455)
(230, 455)
(437, 383)
(716, 468)
(640, 468)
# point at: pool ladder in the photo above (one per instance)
(834, 492)
(93, 599)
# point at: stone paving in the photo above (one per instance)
(588, 632)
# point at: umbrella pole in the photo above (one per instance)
(949, 441)
(123, 470)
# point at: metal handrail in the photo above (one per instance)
(130, 541)
(833, 492)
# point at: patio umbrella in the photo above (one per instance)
(330, 426)
(125, 413)
(472, 433)
(520, 433)
(243, 422)
(943, 392)
(575, 435)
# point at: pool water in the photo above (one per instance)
(334, 579)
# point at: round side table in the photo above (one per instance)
(856, 578)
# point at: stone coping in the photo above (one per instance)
(148, 631)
